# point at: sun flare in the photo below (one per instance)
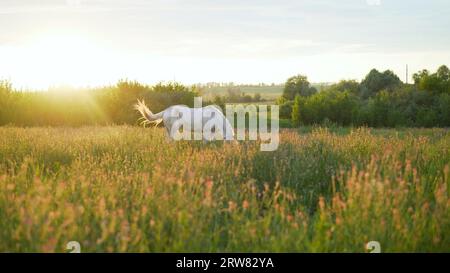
(55, 60)
(65, 58)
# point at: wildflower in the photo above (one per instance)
(289, 218)
(245, 204)
(208, 193)
(231, 206)
(148, 190)
(321, 203)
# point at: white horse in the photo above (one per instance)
(209, 118)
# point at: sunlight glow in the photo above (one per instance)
(60, 60)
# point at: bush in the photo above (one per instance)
(286, 109)
(333, 106)
(296, 111)
(5, 101)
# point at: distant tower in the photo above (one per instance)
(406, 74)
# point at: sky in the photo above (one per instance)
(97, 42)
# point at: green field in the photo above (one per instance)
(269, 93)
(128, 189)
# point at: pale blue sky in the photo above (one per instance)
(95, 42)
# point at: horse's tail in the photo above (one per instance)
(147, 115)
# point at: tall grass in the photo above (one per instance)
(130, 190)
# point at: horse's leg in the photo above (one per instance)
(169, 136)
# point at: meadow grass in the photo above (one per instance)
(129, 189)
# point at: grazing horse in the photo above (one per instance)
(197, 120)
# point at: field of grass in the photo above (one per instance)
(128, 189)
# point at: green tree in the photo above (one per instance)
(296, 108)
(420, 75)
(376, 81)
(351, 86)
(443, 73)
(297, 85)
(444, 109)
(436, 83)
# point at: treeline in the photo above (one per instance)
(108, 105)
(379, 100)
